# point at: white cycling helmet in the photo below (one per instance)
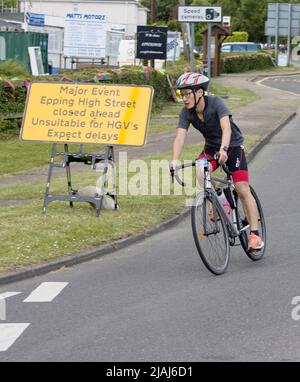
(193, 81)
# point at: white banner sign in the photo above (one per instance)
(85, 35)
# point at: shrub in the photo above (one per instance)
(237, 37)
(146, 76)
(243, 62)
(9, 128)
(174, 25)
(12, 99)
(10, 68)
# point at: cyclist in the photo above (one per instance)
(211, 117)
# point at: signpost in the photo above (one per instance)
(35, 19)
(283, 21)
(85, 35)
(227, 21)
(151, 43)
(193, 14)
(283, 16)
(85, 113)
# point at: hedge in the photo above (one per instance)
(237, 37)
(244, 62)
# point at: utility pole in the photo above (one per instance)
(25, 23)
(153, 15)
(184, 29)
(153, 11)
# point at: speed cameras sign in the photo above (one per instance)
(199, 14)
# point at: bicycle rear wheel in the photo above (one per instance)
(210, 235)
(243, 223)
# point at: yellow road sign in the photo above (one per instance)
(87, 113)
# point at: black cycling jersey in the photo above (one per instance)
(214, 110)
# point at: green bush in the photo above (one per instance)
(146, 76)
(174, 25)
(9, 127)
(244, 62)
(237, 37)
(10, 68)
(12, 99)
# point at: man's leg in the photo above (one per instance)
(248, 203)
(251, 211)
(237, 164)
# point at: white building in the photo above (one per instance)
(121, 15)
(123, 12)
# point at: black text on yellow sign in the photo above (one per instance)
(87, 113)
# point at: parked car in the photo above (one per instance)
(228, 47)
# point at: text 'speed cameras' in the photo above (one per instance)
(211, 14)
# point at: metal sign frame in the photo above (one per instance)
(107, 157)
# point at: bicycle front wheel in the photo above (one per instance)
(210, 235)
(244, 227)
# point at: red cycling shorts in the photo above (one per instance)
(236, 162)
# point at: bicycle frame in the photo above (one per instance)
(210, 192)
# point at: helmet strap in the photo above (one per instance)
(196, 102)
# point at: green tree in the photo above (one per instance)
(164, 8)
(246, 15)
(251, 18)
(9, 4)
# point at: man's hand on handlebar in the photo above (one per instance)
(222, 156)
(171, 169)
(172, 166)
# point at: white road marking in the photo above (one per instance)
(3, 296)
(9, 333)
(46, 292)
(276, 89)
(8, 294)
